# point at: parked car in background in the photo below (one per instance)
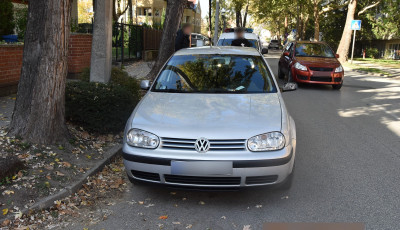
(214, 117)
(311, 62)
(275, 44)
(199, 40)
(228, 36)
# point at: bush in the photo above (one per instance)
(372, 53)
(101, 108)
(21, 21)
(6, 17)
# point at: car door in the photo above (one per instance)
(286, 60)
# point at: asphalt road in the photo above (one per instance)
(347, 169)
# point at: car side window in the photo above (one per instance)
(291, 49)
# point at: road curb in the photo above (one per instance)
(47, 202)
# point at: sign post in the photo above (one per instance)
(355, 25)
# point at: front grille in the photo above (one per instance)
(323, 69)
(302, 77)
(215, 145)
(146, 175)
(324, 79)
(202, 180)
(261, 179)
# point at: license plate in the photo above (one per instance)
(201, 168)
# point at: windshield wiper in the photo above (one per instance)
(171, 91)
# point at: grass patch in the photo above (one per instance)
(380, 61)
(372, 70)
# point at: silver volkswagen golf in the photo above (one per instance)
(214, 117)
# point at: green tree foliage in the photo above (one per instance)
(383, 21)
(6, 17)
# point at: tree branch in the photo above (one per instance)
(369, 7)
(330, 8)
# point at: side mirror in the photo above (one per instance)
(337, 55)
(145, 84)
(289, 86)
(286, 53)
(264, 51)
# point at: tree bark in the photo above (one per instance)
(39, 108)
(130, 11)
(344, 45)
(173, 19)
(245, 14)
(316, 18)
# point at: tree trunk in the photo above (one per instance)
(238, 19)
(344, 45)
(173, 19)
(130, 11)
(39, 109)
(304, 27)
(245, 14)
(316, 18)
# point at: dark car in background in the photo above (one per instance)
(311, 62)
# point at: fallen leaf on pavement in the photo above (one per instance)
(176, 222)
(258, 206)
(189, 226)
(285, 197)
(163, 217)
(202, 203)
(223, 217)
(59, 173)
(5, 211)
(246, 227)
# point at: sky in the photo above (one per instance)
(204, 7)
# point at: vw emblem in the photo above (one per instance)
(202, 145)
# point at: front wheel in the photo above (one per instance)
(337, 87)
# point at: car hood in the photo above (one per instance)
(213, 116)
(318, 62)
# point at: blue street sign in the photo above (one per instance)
(356, 25)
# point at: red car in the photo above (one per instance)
(311, 62)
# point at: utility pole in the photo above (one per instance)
(209, 17)
(216, 26)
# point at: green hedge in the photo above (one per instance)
(372, 53)
(102, 108)
(6, 17)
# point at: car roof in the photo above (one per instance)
(225, 50)
(232, 36)
(310, 42)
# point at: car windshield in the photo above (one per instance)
(228, 42)
(215, 74)
(313, 50)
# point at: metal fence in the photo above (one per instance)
(127, 42)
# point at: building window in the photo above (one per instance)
(157, 12)
(141, 11)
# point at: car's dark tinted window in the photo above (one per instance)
(274, 41)
(313, 50)
(228, 42)
(215, 74)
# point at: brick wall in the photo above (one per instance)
(80, 48)
(10, 67)
(11, 61)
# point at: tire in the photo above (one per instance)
(280, 74)
(337, 87)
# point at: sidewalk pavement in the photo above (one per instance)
(6, 110)
(139, 70)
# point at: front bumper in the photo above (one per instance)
(246, 170)
(317, 77)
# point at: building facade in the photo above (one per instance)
(152, 12)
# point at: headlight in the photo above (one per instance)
(142, 139)
(300, 66)
(339, 69)
(266, 142)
